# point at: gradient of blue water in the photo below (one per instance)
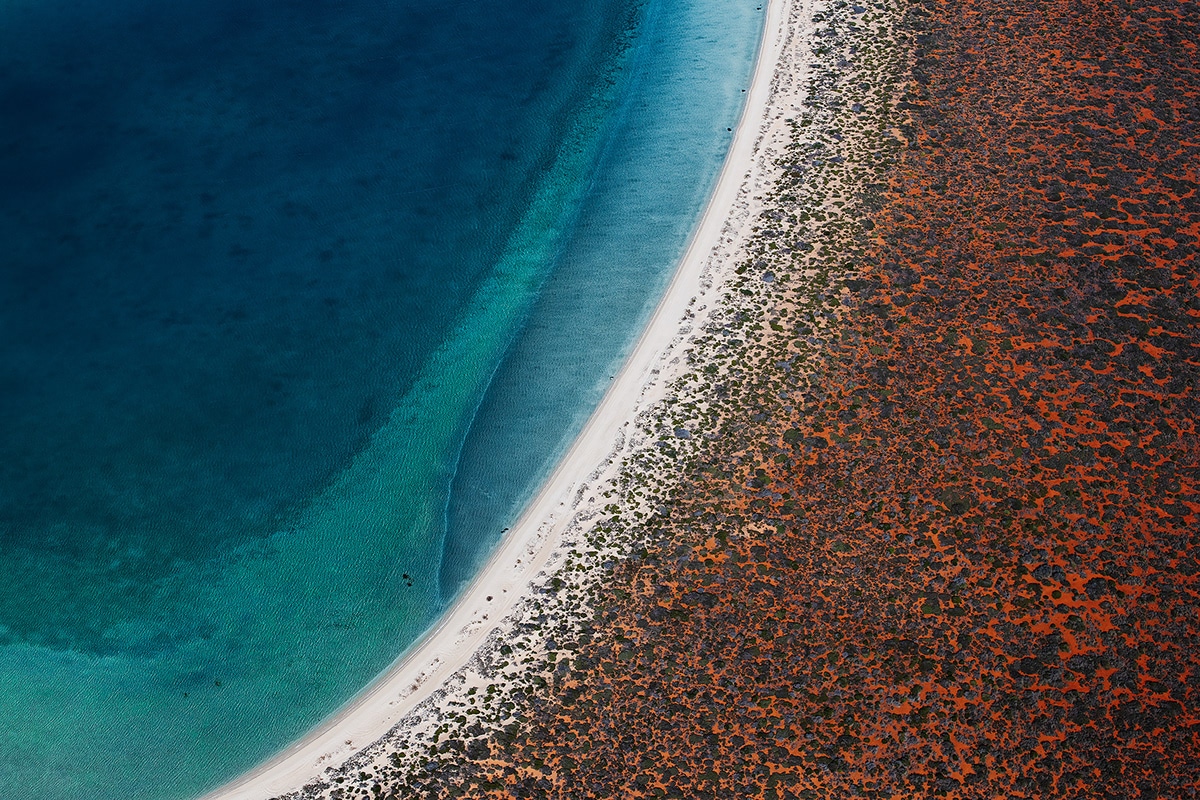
(284, 287)
(687, 79)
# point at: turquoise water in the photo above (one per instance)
(687, 77)
(299, 302)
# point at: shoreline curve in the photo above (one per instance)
(534, 538)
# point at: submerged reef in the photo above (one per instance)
(931, 523)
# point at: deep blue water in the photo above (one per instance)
(299, 302)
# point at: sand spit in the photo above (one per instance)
(501, 613)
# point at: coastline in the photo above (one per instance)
(486, 610)
(884, 555)
(926, 548)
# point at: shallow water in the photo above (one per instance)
(281, 282)
(686, 78)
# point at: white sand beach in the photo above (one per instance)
(563, 505)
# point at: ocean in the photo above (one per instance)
(300, 302)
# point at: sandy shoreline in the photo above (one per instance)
(536, 540)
